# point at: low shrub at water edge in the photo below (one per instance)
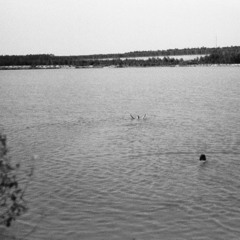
(12, 202)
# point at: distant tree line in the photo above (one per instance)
(221, 57)
(224, 55)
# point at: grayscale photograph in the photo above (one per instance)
(119, 120)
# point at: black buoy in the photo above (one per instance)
(202, 157)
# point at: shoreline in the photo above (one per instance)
(47, 67)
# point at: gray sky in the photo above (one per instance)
(78, 27)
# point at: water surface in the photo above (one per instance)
(101, 175)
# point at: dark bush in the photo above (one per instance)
(12, 203)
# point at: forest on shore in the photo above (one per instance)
(224, 55)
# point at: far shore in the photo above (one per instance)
(27, 67)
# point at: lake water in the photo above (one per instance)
(100, 175)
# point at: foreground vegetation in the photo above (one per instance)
(225, 55)
(12, 203)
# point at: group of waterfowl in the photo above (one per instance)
(138, 117)
(202, 156)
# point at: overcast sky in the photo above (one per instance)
(79, 27)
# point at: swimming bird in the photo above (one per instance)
(202, 157)
(132, 116)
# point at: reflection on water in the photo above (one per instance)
(102, 175)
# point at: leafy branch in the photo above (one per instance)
(12, 202)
